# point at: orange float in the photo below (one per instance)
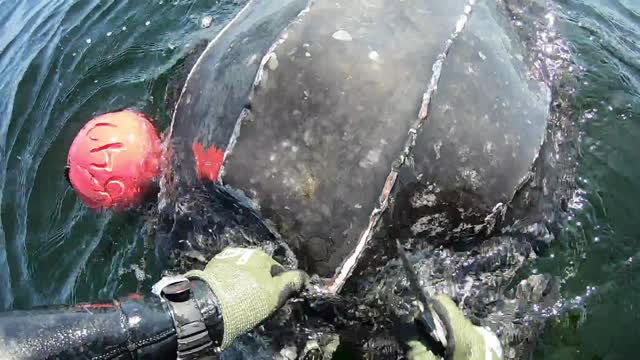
(113, 160)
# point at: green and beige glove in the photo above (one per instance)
(249, 285)
(466, 341)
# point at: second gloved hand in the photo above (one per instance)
(249, 285)
(466, 341)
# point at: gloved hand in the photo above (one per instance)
(249, 285)
(466, 341)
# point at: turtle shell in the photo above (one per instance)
(308, 108)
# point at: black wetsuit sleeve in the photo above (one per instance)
(130, 328)
(122, 329)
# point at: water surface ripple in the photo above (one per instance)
(63, 62)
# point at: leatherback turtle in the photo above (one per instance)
(345, 125)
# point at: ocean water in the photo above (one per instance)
(598, 255)
(64, 61)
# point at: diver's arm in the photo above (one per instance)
(187, 317)
(133, 327)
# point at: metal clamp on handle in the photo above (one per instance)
(194, 341)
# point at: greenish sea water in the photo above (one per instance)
(598, 254)
(64, 61)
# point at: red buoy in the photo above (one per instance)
(113, 160)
